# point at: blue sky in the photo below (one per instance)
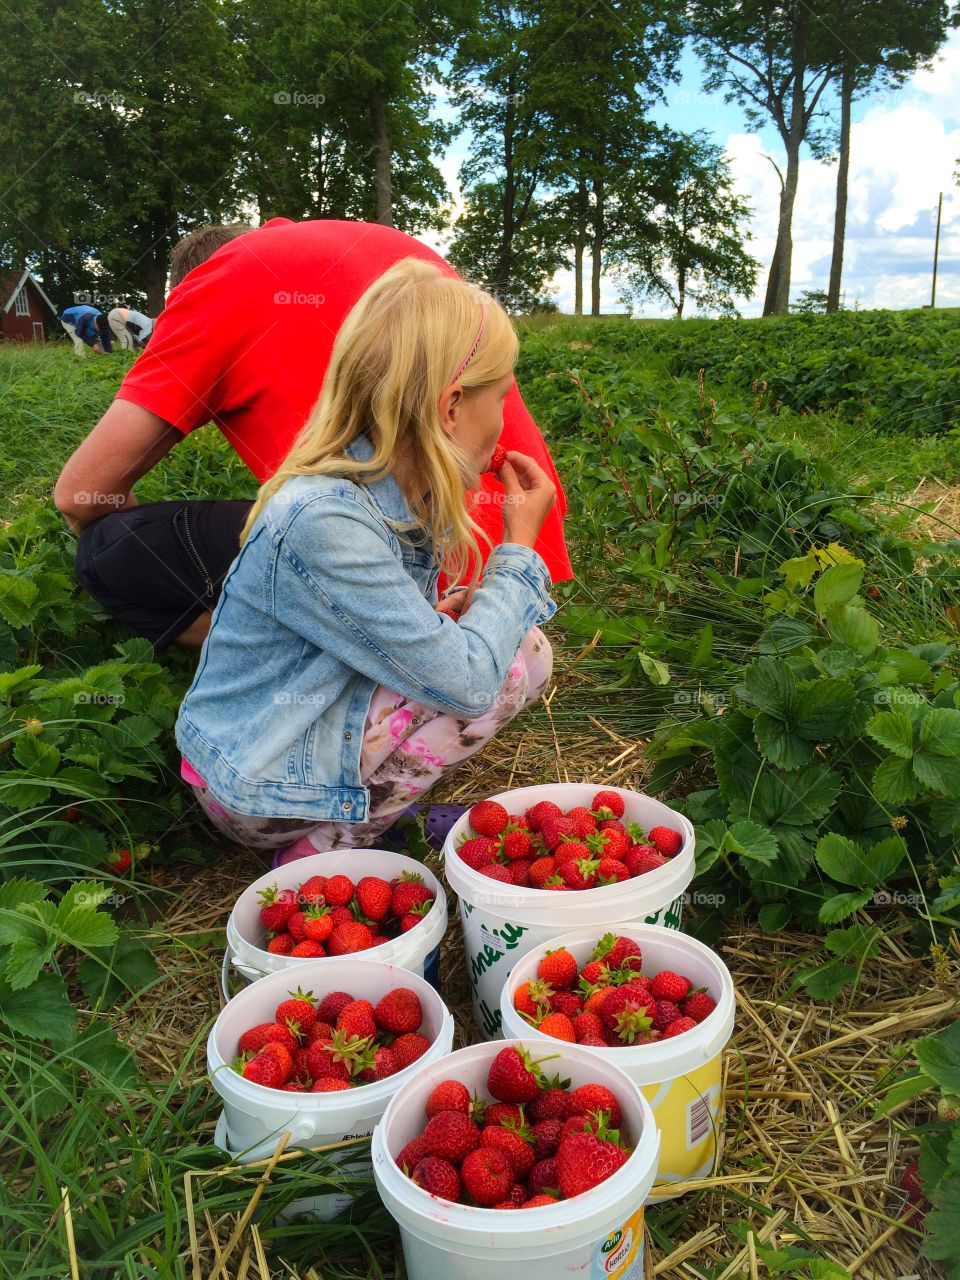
(905, 146)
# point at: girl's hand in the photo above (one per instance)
(530, 494)
(455, 603)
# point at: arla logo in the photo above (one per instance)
(612, 1243)
(616, 1251)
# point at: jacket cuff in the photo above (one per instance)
(528, 564)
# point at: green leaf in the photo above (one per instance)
(17, 595)
(837, 585)
(893, 730)
(784, 635)
(14, 896)
(854, 628)
(902, 1091)
(752, 841)
(38, 758)
(884, 858)
(939, 1057)
(768, 685)
(130, 968)
(843, 905)
(825, 708)
(843, 861)
(19, 679)
(938, 772)
(656, 672)
(942, 1225)
(826, 981)
(85, 928)
(25, 959)
(41, 1011)
(74, 780)
(824, 1269)
(940, 732)
(894, 782)
(781, 745)
(859, 940)
(773, 916)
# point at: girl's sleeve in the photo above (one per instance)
(336, 580)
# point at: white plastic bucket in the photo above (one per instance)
(681, 1077)
(254, 1115)
(417, 951)
(598, 1233)
(502, 922)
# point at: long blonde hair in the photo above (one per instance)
(397, 350)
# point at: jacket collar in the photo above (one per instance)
(386, 493)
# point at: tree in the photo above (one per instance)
(775, 59)
(892, 41)
(692, 247)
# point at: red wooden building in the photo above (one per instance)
(24, 307)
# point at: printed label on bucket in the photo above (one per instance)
(702, 1116)
(620, 1255)
(669, 917)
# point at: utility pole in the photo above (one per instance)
(936, 253)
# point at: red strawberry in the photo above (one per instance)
(587, 1024)
(668, 841)
(414, 1150)
(514, 1143)
(670, 986)
(328, 1010)
(311, 891)
(317, 924)
(542, 870)
(449, 1095)
(118, 861)
(558, 968)
(556, 829)
(487, 1176)
(595, 973)
(494, 871)
(409, 1047)
(567, 1002)
(497, 458)
(357, 1019)
(295, 1086)
(349, 937)
(282, 1055)
(612, 840)
(529, 997)
(398, 1011)
(301, 1066)
(519, 872)
(612, 871)
(478, 852)
(266, 1069)
(384, 1064)
(296, 926)
(308, 948)
(328, 1084)
(413, 918)
(597, 1041)
(338, 891)
(515, 844)
(537, 814)
(339, 1057)
(557, 1025)
(677, 1028)
(584, 821)
(265, 1033)
(624, 953)
(451, 1136)
(409, 892)
(595, 1097)
(535, 1202)
(584, 1161)
(579, 873)
(546, 1137)
(298, 1011)
(502, 1112)
(488, 818)
(607, 804)
(280, 944)
(641, 858)
(513, 1076)
(698, 1006)
(553, 1103)
(569, 850)
(320, 1033)
(664, 1012)
(543, 1175)
(374, 897)
(277, 907)
(438, 1177)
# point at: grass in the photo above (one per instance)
(128, 1183)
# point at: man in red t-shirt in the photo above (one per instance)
(244, 342)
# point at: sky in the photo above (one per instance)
(904, 149)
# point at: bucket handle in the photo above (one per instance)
(225, 973)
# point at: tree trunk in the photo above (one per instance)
(778, 284)
(156, 278)
(581, 240)
(507, 223)
(598, 231)
(840, 217)
(381, 155)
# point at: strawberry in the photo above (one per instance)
(519, 872)
(277, 907)
(517, 1197)
(529, 996)
(641, 858)
(488, 818)
(607, 804)
(384, 1064)
(587, 1024)
(698, 1006)
(328, 1084)
(311, 891)
(487, 1176)
(339, 1057)
(449, 1095)
(513, 1076)
(543, 1175)
(612, 840)
(612, 871)
(328, 1010)
(414, 1150)
(317, 924)
(537, 814)
(501, 1112)
(558, 968)
(542, 870)
(409, 892)
(535, 1202)
(398, 1011)
(342, 915)
(413, 918)
(451, 1136)
(265, 1069)
(546, 1137)
(557, 1025)
(349, 937)
(309, 949)
(320, 1033)
(595, 973)
(118, 861)
(297, 1010)
(668, 841)
(264, 1033)
(569, 850)
(595, 1097)
(281, 944)
(514, 1143)
(556, 829)
(282, 1055)
(584, 821)
(374, 897)
(338, 891)
(301, 1066)
(478, 852)
(295, 1086)
(677, 1028)
(296, 927)
(409, 1047)
(357, 1019)
(670, 986)
(494, 871)
(598, 1042)
(580, 873)
(552, 1103)
(567, 1002)
(584, 1161)
(497, 458)
(437, 1177)
(515, 844)
(664, 1012)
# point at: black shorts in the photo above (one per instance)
(159, 566)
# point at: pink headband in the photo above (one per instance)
(476, 342)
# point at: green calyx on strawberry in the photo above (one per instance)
(119, 861)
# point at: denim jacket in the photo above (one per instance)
(323, 603)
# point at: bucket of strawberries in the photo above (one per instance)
(335, 904)
(516, 1161)
(529, 863)
(654, 1001)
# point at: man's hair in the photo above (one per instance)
(199, 245)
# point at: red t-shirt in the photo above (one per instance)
(244, 341)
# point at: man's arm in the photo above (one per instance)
(124, 445)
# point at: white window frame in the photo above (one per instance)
(21, 303)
